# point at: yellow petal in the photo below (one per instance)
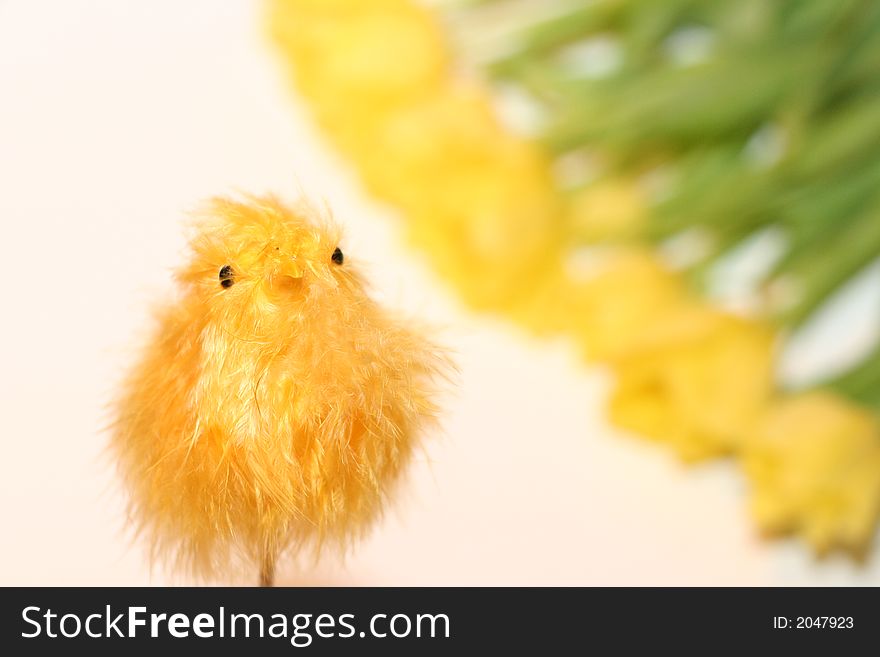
(711, 372)
(817, 458)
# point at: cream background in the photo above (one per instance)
(117, 116)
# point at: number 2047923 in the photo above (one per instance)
(813, 622)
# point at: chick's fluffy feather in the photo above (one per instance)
(275, 411)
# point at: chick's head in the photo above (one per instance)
(259, 261)
(278, 296)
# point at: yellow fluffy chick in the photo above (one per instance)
(276, 403)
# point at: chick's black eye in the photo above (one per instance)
(226, 276)
(337, 256)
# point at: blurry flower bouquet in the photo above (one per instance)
(596, 168)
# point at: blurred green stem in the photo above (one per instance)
(575, 23)
(861, 383)
(821, 271)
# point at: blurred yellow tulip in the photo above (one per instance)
(478, 201)
(694, 379)
(603, 298)
(453, 130)
(813, 462)
(357, 61)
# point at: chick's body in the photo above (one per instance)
(276, 404)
